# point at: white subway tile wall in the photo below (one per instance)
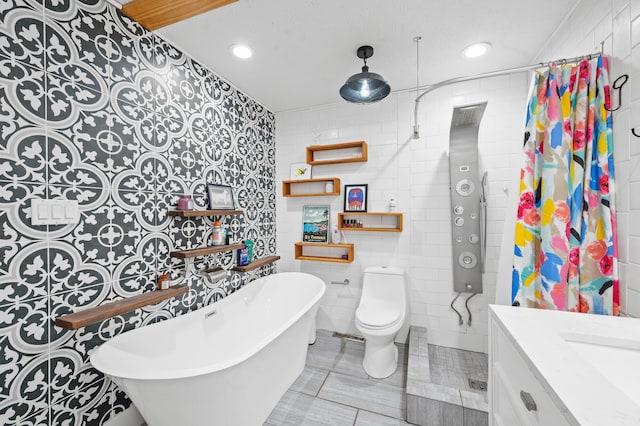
(416, 173)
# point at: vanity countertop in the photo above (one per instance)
(589, 364)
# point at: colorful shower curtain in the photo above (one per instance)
(565, 241)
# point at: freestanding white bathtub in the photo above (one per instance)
(226, 364)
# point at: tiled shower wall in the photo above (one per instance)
(96, 109)
(416, 172)
(617, 24)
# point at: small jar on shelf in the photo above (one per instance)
(185, 202)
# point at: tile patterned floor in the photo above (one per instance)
(453, 367)
(333, 389)
(438, 388)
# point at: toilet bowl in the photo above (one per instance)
(379, 317)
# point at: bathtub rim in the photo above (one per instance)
(104, 363)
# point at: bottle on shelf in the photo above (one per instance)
(163, 282)
(218, 234)
(243, 256)
(336, 235)
(249, 244)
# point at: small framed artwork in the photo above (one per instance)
(220, 197)
(355, 198)
(315, 224)
(300, 171)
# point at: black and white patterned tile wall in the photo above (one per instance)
(96, 109)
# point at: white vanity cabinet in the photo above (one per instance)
(554, 368)
(516, 397)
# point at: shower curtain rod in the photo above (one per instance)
(416, 132)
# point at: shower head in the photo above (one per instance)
(468, 115)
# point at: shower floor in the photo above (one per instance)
(445, 385)
(458, 369)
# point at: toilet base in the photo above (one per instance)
(380, 361)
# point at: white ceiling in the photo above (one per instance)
(304, 50)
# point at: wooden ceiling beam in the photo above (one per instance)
(154, 14)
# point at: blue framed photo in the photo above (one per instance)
(315, 224)
(355, 198)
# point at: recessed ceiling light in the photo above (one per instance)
(241, 51)
(476, 50)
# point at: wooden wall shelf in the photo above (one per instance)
(256, 264)
(372, 222)
(348, 152)
(92, 315)
(310, 187)
(198, 213)
(203, 251)
(316, 248)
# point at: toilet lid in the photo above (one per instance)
(377, 314)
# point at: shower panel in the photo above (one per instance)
(467, 199)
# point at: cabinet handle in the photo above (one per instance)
(528, 401)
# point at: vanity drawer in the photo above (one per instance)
(517, 397)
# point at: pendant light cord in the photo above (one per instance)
(365, 68)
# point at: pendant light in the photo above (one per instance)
(365, 87)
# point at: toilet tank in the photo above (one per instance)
(385, 284)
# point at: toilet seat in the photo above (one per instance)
(377, 315)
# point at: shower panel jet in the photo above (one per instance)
(468, 202)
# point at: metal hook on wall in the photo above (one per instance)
(633, 132)
(617, 85)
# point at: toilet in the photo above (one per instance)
(379, 317)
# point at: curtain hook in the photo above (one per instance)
(617, 85)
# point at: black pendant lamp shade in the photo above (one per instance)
(365, 87)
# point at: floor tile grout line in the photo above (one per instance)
(323, 382)
(328, 400)
(368, 378)
(359, 408)
(374, 382)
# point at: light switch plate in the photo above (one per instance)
(54, 212)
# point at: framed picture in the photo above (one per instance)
(300, 171)
(220, 197)
(355, 198)
(315, 224)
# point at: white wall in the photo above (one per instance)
(617, 23)
(417, 173)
